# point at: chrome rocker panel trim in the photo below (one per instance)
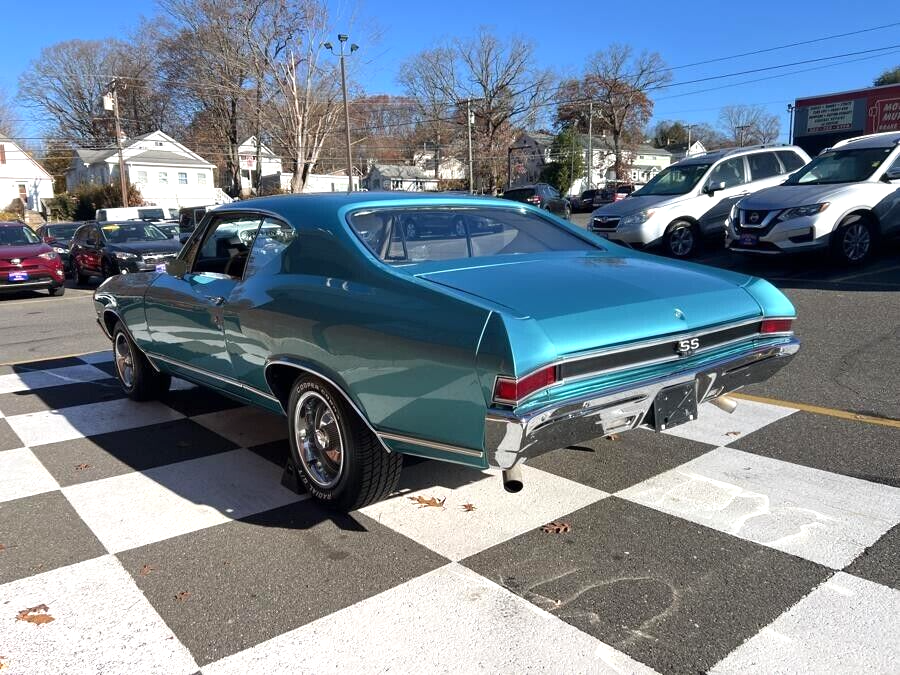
(510, 438)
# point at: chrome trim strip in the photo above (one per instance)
(444, 447)
(213, 376)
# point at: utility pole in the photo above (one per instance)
(590, 162)
(111, 100)
(470, 119)
(353, 47)
(740, 130)
(790, 109)
(687, 150)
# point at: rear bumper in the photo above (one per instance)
(509, 438)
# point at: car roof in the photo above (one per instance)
(715, 155)
(11, 223)
(883, 140)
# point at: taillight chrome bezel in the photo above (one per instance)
(776, 325)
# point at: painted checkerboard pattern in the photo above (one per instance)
(160, 540)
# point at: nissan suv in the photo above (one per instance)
(691, 199)
(844, 200)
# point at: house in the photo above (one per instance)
(645, 162)
(164, 170)
(269, 166)
(681, 150)
(22, 178)
(450, 168)
(398, 177)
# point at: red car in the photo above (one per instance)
(27, 263)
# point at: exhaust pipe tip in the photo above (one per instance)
(725, 403)
(512, 479)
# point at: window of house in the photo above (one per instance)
(141, 176)
(396, 185)
(201, 179)
(182, 178)
(163, 177)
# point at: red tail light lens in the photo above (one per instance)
(511, 390)
(534, 199)
(776, 326)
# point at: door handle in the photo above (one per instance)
(217, 300)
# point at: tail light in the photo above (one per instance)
(533, 199)
(512, 390)
(776, 326)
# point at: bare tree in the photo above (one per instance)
(501, 81)
(9, 124)
(618, 83)
(749, 125)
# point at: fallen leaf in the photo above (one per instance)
(36, 615)
(2, 547)
(181, 596)
(428, 501)
(468, 508)
(613, 437)
(732, 433)
(146, 569)
(556, 527)
(82, 467)
(2, 664)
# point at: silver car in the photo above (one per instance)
(845, 199)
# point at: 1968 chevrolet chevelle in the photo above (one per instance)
(501, 334)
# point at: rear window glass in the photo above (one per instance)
(519, 195)
(421, 235)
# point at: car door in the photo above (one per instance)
(555, 203)
(888, 208)
(727, 183)
(91, 253)
(185, 314)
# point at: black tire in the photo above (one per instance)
(365, 473)
(144, 383)
(852, 242)
(56, 291)
(80, 277)
(682, 239)
(567, 212)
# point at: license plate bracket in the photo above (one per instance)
(675, 405)
(749, 239)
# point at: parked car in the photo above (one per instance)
(27, 263)
(584, 201)
(481, 350)
(691, 199)
(106, 249)
(541, 195)
(171, 230)
(845, 200)
(190, 216)
(612, 193)
(59, 236)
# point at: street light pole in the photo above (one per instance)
(342, 38)
(740, 130)
(790, 108)
(469, 120)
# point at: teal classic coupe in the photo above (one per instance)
(504, 333)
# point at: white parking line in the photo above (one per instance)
(81, 296)
(865, 273)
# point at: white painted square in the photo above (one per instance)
(846, 626)
(498, 515)
(140, 508)
(102, 623)
(247, 426)
(718, 427)
(821, 516)
(97, 357)
(52, 426)
(23, 475)
(39, 379)
(450, 620)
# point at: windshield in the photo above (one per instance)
(674, 180)
(841, 166)
(122, 233)
(152, 214)
(64, 232)
(443, 233)
(18, 236)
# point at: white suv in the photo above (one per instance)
(692, 198)
(845, 199)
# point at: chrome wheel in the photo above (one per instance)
(319, 440)
(681, 241)
(124, 360)
(856, 242)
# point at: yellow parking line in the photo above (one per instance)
(819, 410)
(49, 358)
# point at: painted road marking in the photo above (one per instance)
(47, 299)
(819, 410)
(47, 358)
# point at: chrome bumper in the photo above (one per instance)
(510, 438)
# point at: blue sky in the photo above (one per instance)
(565, 35)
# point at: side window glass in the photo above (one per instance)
(763, 165)
(226, 246)
(730, 172)
(791, 160)
(274, 236)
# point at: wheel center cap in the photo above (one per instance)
(321, 438)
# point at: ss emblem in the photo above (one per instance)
(685, 347)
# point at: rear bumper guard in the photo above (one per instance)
(510, 438)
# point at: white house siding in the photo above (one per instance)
(198, 190)
(18, 170)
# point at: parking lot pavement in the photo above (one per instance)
(156, 537)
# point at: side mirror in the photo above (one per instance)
(712, 188)
(176, 268)
(891, 175)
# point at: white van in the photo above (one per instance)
(118, 213)
(691, 200)
(148, 213)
